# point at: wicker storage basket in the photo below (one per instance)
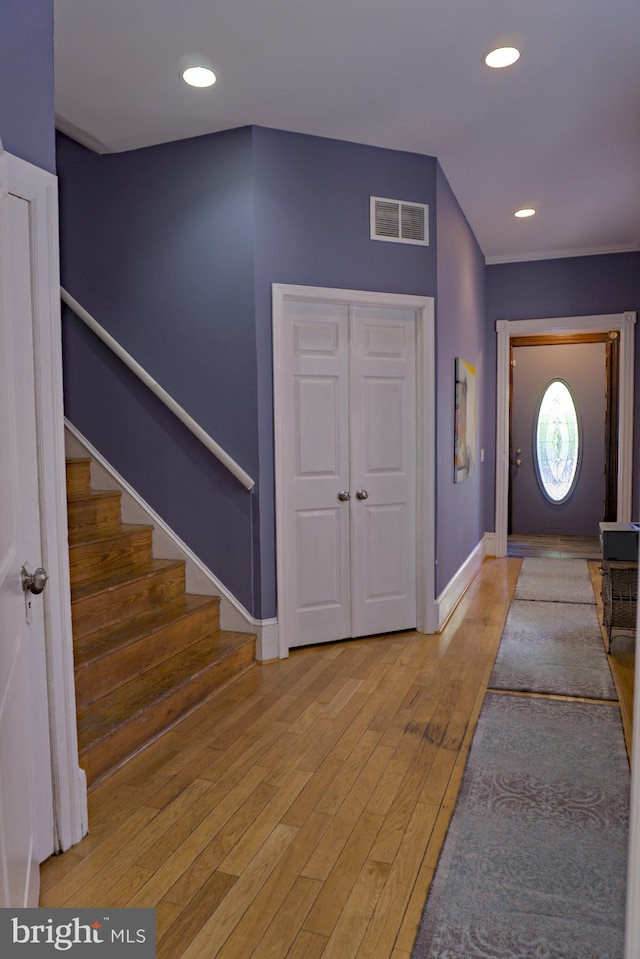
(619, 595)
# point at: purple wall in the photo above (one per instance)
(26, 80)
(575, 286)
(312, 228)
(174, 249)
(158, 245)
(460, 309)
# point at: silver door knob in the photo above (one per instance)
(344, 496)
(33, 580)
(362, 494)
(518, 462)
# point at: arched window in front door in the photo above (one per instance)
(557, 442)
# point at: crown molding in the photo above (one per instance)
(562, 254)
(80, 136)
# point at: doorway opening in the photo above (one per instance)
(563, 430)
(621, 444)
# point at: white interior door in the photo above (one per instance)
(316, 454)
(348, 448)
(26, 805)
(383, 469)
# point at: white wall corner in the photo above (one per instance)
(489, 544)
(267, 640)
(455, 588)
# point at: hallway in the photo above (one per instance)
(301, 811)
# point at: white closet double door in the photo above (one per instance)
(349, 449)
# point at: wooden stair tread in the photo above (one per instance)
(78, 474)
(91, 647)
(89, 495)
(93, 537)
(158, 683)
(108, 583)
(145, 651)
(91, 510)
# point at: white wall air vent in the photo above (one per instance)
(398, 222)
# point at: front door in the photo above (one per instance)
(349, 431)
(26, 805)
(558, 408)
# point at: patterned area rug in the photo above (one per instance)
(553, 648)
(534, 863)
(555, 580)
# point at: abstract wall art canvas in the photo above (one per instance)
(464, 448)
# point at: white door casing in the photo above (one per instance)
(624, 324)
(19, 876)
(322, 441)
(19, 285)
(35, 361)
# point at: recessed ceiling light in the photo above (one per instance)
(502, 57)
(524, 213)
(199, 76)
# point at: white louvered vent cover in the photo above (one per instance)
(398, 222)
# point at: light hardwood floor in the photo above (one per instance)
(300, 812)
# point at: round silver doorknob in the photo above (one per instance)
(33, 580)
(362, 494)
(344, 496)
(518, 462)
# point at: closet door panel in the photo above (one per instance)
(316, 451)
(383, 468)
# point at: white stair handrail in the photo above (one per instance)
(158, 391)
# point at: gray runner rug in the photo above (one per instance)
(553, 648)
(555, 580)
(534, 863)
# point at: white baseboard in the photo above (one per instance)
(453, 591)
(168, 545)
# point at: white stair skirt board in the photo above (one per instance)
(455, 588)
(168, 545)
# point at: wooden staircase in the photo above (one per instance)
(146, 652)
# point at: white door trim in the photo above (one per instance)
(40, 189)
(427, 617)
(624, 323)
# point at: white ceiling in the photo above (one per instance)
(559, 131)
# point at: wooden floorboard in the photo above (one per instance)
(554, 547)
(299, 813)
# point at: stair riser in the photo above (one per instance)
(92, 561)
(102, 513)
(104, 755)
(78, 476)
(97, 679)
(128, 599)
